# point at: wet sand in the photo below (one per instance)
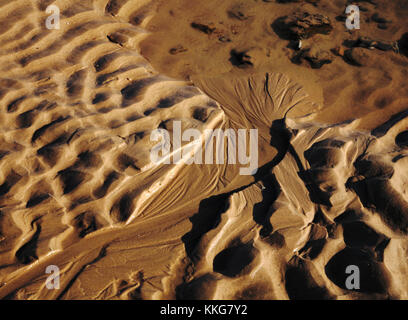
(78, 188)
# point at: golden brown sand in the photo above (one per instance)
(78, 189)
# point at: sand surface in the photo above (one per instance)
(78, 188)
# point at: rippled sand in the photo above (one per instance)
(78, 189)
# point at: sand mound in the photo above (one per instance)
(79, 190)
